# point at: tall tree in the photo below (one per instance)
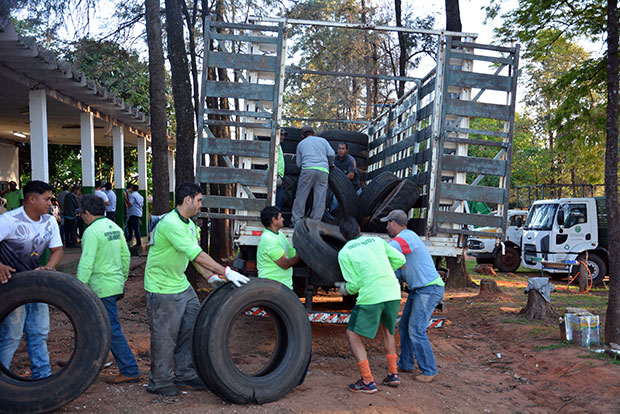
(612, 325)
(182, 92)
(591, 19)
(157, 95)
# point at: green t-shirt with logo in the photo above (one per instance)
(104, 264)
(12, 199)
(368, 264)
(271, 247)
(175, 244)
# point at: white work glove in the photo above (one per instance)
(342, 288)
(216, 281)
(235, 277)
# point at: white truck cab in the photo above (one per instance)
(565, 230)
(506, 258)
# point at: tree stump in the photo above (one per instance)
(485, 269)
(489, 287)
(458, 278)
(584, 275)
(538, 308)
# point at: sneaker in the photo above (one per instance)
(195, 383)
(360, 386)
(425, 378)
(404, 370)
(120, 379)
(391, 380)
(169, 391)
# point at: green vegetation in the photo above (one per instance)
(602, 357)
(562, 344)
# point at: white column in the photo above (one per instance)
(87, 134)
(142, 163)
(37, 101)
(171, 171)
(118, 145)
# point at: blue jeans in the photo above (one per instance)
(118, 345)
(34, 320)
(133, 227)
(414, 343)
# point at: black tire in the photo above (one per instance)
(318, 245)
(290, 166)
(342, 188)
(597, 267)
(287, 367)
(352, 137)
(91, 334)
(292, 134)
(375, 192)
(403, 197)
(508, 262)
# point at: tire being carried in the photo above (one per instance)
(318, 244)
(91, 328)
(287, 366)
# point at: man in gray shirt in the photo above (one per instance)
(314, 156)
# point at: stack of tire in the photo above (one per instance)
(339, 185)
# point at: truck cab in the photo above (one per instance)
(565, 230)
(507, 256)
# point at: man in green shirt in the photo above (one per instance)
(171, 302)
(14, 197)
(368, 264)
(104, 266)
(275, 257)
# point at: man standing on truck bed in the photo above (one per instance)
(426, 290)
(368, 264)
(314, 156)
(25, 233)
(275, 256)
(104, 267)
(171, 303)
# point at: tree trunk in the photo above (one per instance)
(538, 308)
(191, 24)
(182, 92)
(612, 320)
(157, 98)
(453, 17)
(458, 278)
(402, 45)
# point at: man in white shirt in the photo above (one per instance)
(25, 233)
(110, 209)
(99, 193)
(134, 202)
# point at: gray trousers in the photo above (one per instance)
(171, 320)
(314, 180)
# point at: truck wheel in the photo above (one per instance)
(375, 192)
(91, 328)
(287, 366)
(342, 188)
(403, 197)
(508, 262)
(596, 265)
(318, 245)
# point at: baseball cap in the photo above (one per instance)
(306, 129)
(399, 216)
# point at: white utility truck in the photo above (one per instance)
(565, 230)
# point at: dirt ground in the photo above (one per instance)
(490, 361)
